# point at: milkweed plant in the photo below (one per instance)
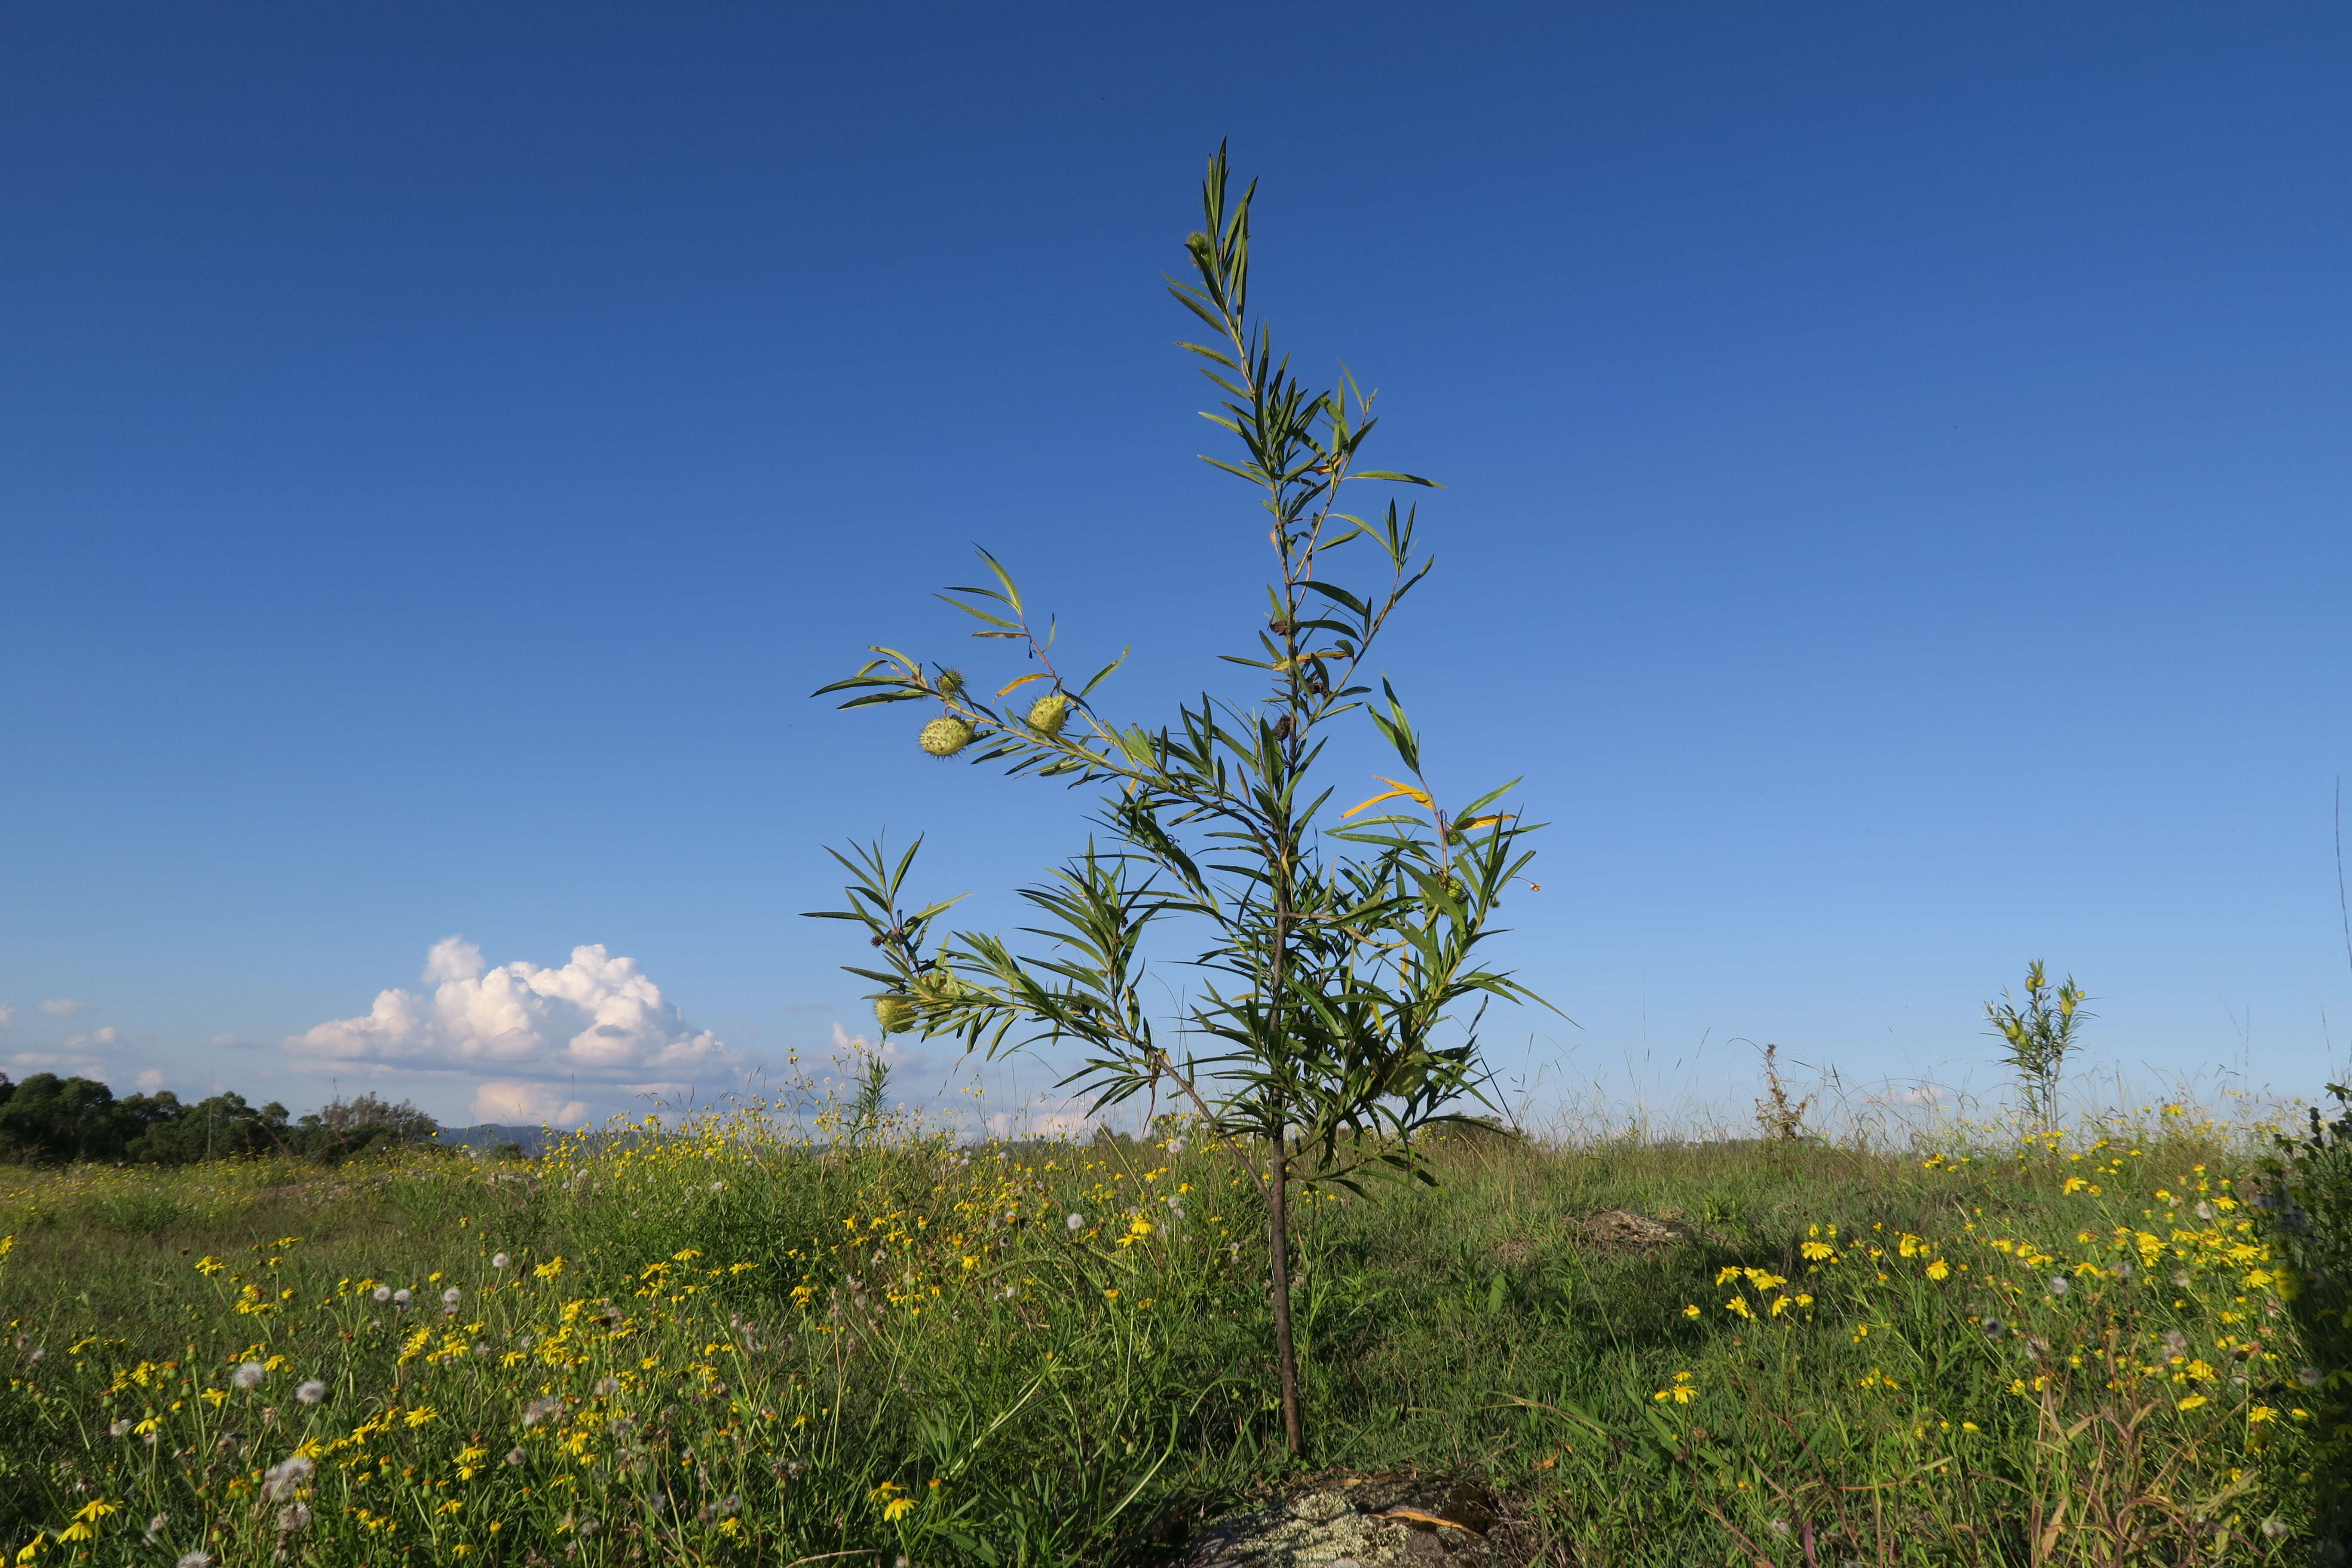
(1332, 1014)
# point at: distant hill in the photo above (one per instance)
(485, 1137)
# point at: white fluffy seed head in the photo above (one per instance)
(249, 1375)
(311, 1392)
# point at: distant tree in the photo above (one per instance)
(221, 1127)
(48, 1119)
(366, 1123)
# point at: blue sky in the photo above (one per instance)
(1896, 464)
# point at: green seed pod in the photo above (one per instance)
(894, 1014)
(1047, 714)
(950, 684)
(938, 986)
(946, 737)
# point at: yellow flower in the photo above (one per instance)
(209, 1265)
(421, 1414)
(2260, 1414)
(1939, 1269)
(551, 1268)
(897, 1508)
(2191, 1403)
(1690, 1312)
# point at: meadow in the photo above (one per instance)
(729, 1342)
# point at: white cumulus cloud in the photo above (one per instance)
(66, 1006)
(510, 1102)
(523, 1029)
(97, 1039)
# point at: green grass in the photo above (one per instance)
(755, 1351)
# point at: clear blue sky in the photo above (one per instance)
(1896, 521)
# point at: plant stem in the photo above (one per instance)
(1286, 1347)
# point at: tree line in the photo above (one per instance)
(47, 1119)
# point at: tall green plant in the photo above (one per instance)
(2040, 1034)
(2305, 1212)
(1337, 976)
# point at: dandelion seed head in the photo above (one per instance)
(1075, 1222)
(449, 1297)
(2060, 1284)
(294, 1516)
(311, 1392)
(119, 1429)
(249, 1375)
(402, 1296)
(383, 1292)
(196, 1560)
(500, 1261)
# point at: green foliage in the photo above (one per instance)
(1342, 982)
(1073, 1391)
(47, 1119)
(2039, 1034)
(2305, 1214)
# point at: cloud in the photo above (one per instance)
(543, 1104)
(66, 1006)
(151, 1079)
(96, 1039)
(7, 1015)
(1922, 1094)
(1042, 1118)
(50, 1059)
(598, 1020)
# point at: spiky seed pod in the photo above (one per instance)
(1047, 714)
(946, 737)
(894, 1014)
(950, 684)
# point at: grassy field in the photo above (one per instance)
(719, 1344)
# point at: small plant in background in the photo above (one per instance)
(1339, 955)
(1781, 1117)
(2040, 1034)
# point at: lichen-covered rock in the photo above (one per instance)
(1378, 1521)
